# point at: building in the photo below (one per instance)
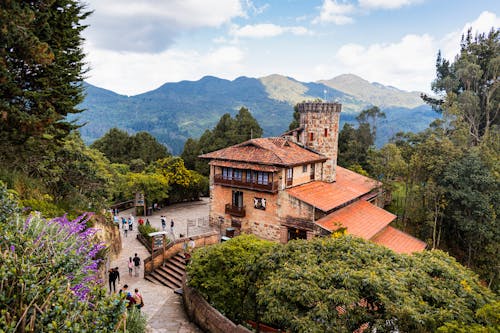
(290, 187)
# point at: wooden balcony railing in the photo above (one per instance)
(269, 187)
(235, 210)
(289, 182)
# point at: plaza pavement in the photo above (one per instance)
(163, 308)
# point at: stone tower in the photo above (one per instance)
(320, 132)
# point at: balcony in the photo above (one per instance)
(235, 210)
(269, 187)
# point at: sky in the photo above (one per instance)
(134, 46)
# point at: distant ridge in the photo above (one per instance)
(178, 110)
(375, 93)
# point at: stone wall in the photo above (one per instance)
(321, 129)
(205, 316)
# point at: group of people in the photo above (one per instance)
(135, 299)
(164, 225)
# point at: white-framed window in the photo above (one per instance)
(262, 178)
(304, 168)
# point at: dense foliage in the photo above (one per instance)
(136, 150)
(228, 131)
(41, 68)
(49, 274)
(336, 285)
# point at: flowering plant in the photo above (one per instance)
(49, 276)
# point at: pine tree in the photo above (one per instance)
(41, 68)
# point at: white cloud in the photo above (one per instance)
(266, 30)
(450, 44)
(152, 25)
(407, 64)
(333, 11)
(131, 73)
(386, 4)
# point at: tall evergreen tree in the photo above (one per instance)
(41, 68)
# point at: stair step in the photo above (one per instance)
(177, 279)
(173, 268)
(158, 279)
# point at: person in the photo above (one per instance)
(130, 224)
(147, 222)
(155, 206)
(124, 222)
(117, 274)
(116, 220)
(172, 228)
(125, 232)
(112, 280)
(130, 266)
(163, 222)
(139, 301)
(191, 245)
(125, 294)
(137, 264)
(141, 221)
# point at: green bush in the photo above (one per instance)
(336, 284)
(145, 229)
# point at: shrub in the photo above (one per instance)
(49, 275)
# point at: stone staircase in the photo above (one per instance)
(170, 274)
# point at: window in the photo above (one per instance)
(237, 174)
(249, 176)
(259, 203)
(326, 132)
(311, 136)
(227, 173)
(262, 178)
(289, 174)
(238, 199)
(304, 168)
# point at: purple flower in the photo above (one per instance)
(12, 248)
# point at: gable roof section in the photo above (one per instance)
(267, 151)
(399, 241)
(355, 182)
(347, 187)
(322, 195)
(361, 219)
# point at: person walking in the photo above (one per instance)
(112, 280)
(125, 232)
(130, 266)
(163, 223)
(124, 222)
(130, 224)
(137, 264)
(172, 228)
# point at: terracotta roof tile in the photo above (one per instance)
(361, 219)
(354, 181)
(399, 241)
(270, 151)
(348, 186)
(323, 195)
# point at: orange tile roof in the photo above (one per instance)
(348, 186)
(399, 241)
(243, 165)
(361, 219)
(323, 195)
(270, 151)
(354, 181)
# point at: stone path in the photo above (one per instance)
(162, 306)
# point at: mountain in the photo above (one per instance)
(376, 93)
(176, 111)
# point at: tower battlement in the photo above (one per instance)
(320, 130)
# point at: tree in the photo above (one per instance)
(469, 86)
(371, 116)
(119, 147)
(336, 284)
(41, 69)
(296, 118)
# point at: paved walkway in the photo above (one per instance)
(162, 306)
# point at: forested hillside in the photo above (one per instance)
(177, 111)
